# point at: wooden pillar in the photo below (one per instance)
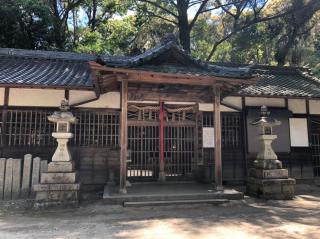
(123, 136)
(162, 175)
(217, 138)
(4, 119)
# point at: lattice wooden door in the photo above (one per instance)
(179, 151)
(144, 143)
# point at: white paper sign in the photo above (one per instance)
(208, 137)
(299, 132)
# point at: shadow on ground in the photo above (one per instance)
(250, 218)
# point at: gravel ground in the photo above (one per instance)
(250, 218)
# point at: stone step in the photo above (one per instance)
(121, 198)
(175, 202)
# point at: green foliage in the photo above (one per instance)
(25, 24)
(90, 42)
(127, 27)
(113, 37)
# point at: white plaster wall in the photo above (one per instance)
(76, 96)
(1, 96)
(299, 132)
(108, 100)
(35, 97)
(210, 107)
(314, 106)
(233, 101)
(259, 101)
(297, 106)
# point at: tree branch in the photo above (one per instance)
(203, 4)
(159, 6)
(161, 17)
(248, 24)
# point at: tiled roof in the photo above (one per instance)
(285, 81)
(45, 68)
(64, 69)
(148, 61)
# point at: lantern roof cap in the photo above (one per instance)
(265, 119)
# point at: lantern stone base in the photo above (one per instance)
(268, 173)
(267, 164)
(57, 194)
(61, 167)
(58, 186)
(268, 180)
(277, 189)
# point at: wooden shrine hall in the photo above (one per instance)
(158, 116)
(167, 74)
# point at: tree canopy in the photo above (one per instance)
(242, 31)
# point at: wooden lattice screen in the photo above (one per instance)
(230, 126)
(232, 145)
(96, 128)
(30, 127)
(315, 142)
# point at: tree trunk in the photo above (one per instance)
(183, 24)
(184, 36)
(94, 15)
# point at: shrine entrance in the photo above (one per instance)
(173, 149)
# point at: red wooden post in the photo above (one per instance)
(162, 175)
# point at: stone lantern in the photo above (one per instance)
(63, 120)
(59, 185)
(267, 179)
(266, 157)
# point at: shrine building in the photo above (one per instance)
(158, 116)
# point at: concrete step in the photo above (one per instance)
(174, 202)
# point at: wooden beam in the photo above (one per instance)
(96, 84)
(173, 80)
(66, 94)
(123, 136)
(146, 96)
(168, 77)
(217, 138)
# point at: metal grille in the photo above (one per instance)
(143, 142)
(315, 141)
(29, 128)
(179, 151)
(96, 128)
